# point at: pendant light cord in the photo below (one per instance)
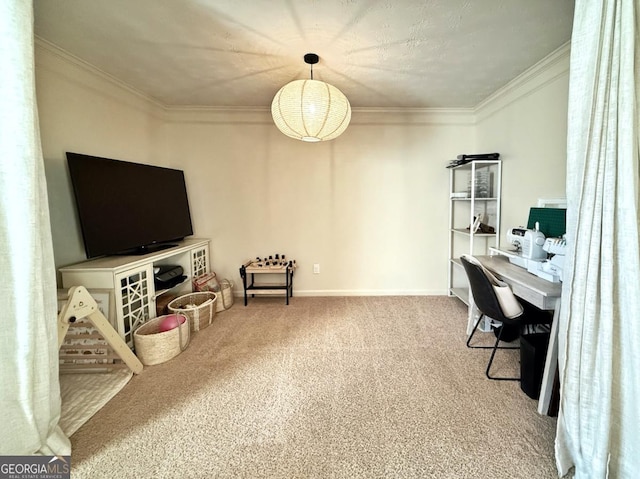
(310, 59)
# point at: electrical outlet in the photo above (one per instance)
(316, 268)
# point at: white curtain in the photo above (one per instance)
(599, 328)
(30, 391)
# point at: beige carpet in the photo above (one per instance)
(323, 388)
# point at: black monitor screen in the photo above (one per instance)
(128, 208)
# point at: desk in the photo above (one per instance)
(542, 294)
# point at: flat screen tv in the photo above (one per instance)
(128, 208)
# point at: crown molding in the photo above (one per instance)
(547, 70)
(359, 116)
(229, 115)
(413, 116)
(136, 98)
(206, 114)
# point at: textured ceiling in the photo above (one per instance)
(380, 53)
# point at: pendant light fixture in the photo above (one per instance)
(311, 110)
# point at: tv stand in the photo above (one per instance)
(151, 248)
(129, 280)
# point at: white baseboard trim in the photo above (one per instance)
(360, 292)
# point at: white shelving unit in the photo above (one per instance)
(474, 188)
(129, 279)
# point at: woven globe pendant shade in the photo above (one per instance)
(311, 110)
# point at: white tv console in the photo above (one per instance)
(129, 280)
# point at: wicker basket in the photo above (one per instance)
(162, 302)
(200, 308)
(225, 296)
(154, 347)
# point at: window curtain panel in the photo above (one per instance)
(599, 329)
(30, 391)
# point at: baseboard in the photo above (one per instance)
(361, 292)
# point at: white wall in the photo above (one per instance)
(82, 111)
(371, 207)
(526, 122)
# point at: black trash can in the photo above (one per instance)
(533, 353)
